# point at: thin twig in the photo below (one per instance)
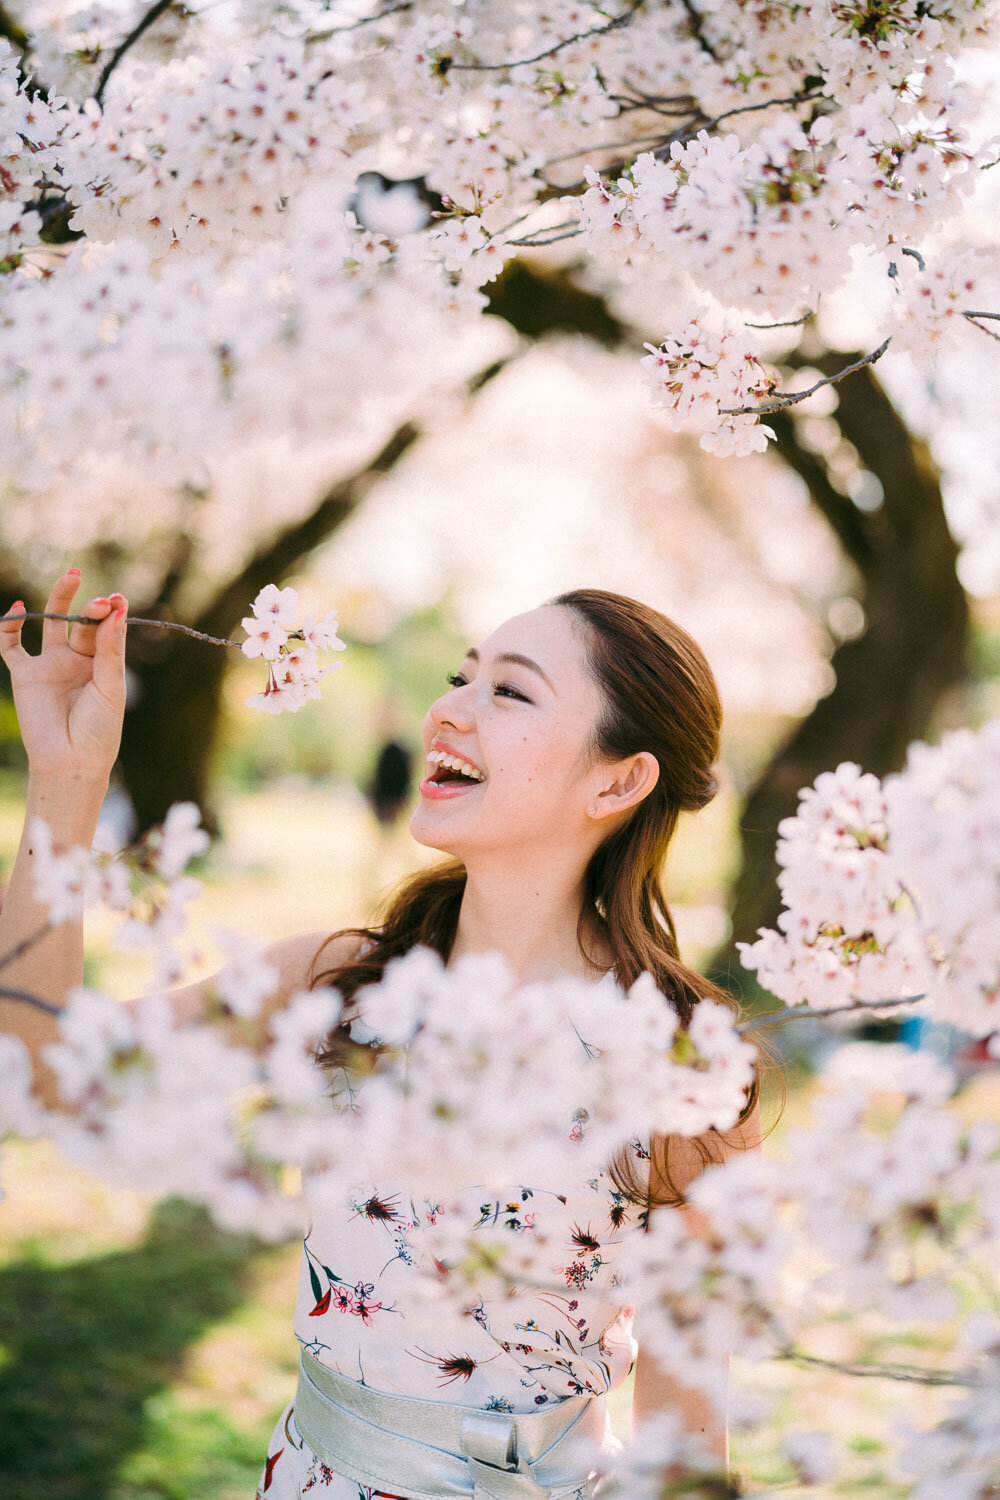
(913, 1374)
(27, 998)
(198, 635)
(25, 944)
(972, 316)
(696, 18)
(581, 36)
(532, 244)
(679, 136)
(390, 10)
(792, 1012)
(792, 398)
(153, 14)
(793, 323)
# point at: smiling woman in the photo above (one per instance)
(558, 763)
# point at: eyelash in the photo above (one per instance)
(457, 680)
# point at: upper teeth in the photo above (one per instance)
(442, 758)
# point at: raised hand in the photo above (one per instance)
(70, 698)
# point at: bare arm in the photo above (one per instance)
(70, 700)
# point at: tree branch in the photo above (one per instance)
(792, 1012)
(793, 397)
(614, 24)
(910, 1373)
(153, 14)
(25, 944)
(19, 38)
(697, 19)
(198, 635)
(27, 998)
(275, 557)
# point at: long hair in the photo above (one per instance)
(659, 695)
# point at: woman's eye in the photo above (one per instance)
(456, 679)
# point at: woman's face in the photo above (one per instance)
(524, 728)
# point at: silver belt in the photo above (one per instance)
(432, 1449)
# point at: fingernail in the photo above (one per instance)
(18, 604)
(74, 570)
(116, 599)
(120, 614)
(102, 600)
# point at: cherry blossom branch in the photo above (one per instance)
(198, 635)
(912, 1374)
(792, 1012)
(614, 24)
(27, 998)
(792, 398)
(25, 944)
(806, 317)
(390, 10)
(972, 316)
(697, 20)
(681, 135)
(153, 14)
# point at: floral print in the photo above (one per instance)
(356, 1311)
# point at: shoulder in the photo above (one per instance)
(300, 958)
(686, 1157)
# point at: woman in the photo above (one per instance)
(584, 728)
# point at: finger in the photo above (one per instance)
(109, 654)
(59, 601)
(81, 637)
(10, 635)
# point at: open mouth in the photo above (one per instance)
(452, 773)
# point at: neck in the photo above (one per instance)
(530, 919)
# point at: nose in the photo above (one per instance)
(451, 709)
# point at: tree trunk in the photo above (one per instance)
(889, 680)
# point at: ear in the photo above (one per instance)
(631, 780)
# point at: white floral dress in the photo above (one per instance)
(357, 1312)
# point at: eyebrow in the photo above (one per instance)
(518, 660)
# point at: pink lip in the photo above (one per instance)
(438, 790)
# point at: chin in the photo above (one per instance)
(423, 831)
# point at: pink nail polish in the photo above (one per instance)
(121, 613)
(74, 570)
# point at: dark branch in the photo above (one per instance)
(25, 943)
(19, 38)
(390, 10)
(793, 1012)
(910, 1373)
(614, 24)
(153, 14)
(697, 20)
(27, 998)
(791, 398)
(282, 552)
(198, 635)
(973, 316)
(806, 317)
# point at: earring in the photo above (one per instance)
(593, 811)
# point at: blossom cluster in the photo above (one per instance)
(292, 652)
(229, 1106)
(302, 213)
(890, 888)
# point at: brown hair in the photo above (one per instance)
(659, 695)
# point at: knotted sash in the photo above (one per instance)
(434, 1449)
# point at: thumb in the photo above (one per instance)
(109, 654)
